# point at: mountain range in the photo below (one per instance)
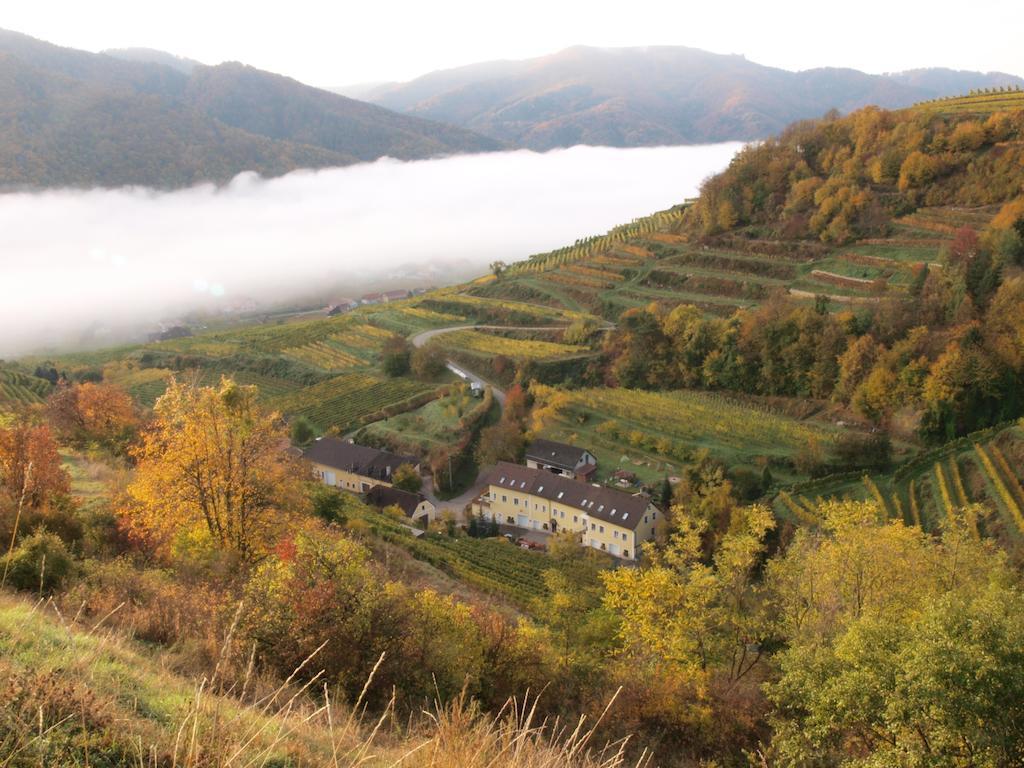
(73, 118)
(628, 97)
(136, 116)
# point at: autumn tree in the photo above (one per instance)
(900, 648)
(211, 469)
(93, 412)
(504, 441)
(30, 467)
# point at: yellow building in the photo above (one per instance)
(351, 467)
(609, 520)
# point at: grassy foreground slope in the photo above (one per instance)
(82, 695)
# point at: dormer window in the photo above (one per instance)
(502, 481)
(561, 493)
(541, 489)
(600, 508)
(625, 515)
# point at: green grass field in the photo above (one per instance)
(431, 425)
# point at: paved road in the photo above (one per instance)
(459, 370)
(458, 504)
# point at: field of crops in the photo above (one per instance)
(940, 488)
(494, 566)
(654, 433)
(325, 355)
(18, 389)
(520, 349)
(980, 103)
(491, 565)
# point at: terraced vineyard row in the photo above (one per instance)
(593, 246)
(492, 565)
(19, 389)
(325, 356)
(981, 103)
(491, 344)
(944, 489)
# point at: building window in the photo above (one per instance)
(509, 519)
(625, 553)
(575, 519)
(601, 528)
(515, 501)
(645, 518)
(593, 527)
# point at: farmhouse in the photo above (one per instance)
(561, 459)
(416, 506)
(607, 519)
(355, 468)
(394, 295)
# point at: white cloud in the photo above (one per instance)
(71, 259)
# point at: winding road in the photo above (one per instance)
(458, 504)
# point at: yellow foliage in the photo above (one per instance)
(211, 469)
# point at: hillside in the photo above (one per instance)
(630, 97)
(813, 371)
(72, 118)
(78, 694)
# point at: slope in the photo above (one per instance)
(650, 96)
(72, 118)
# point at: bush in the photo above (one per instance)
(302, 431)
(395, 356)
(428, 362)
(328, 504)
(406, 478)
(40, 563)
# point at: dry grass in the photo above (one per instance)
(79, 694)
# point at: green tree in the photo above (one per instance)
(900, 649)
(428, 362)
(406, 478)
(395, 356)
(302, 431)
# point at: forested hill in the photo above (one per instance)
(651, 96)
(73, 118)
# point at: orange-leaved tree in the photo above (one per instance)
(87, 412)
(212, 470)
(30, 467)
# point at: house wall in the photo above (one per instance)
(525, 510)
(347, 481)
(425, 508)
(586, 459)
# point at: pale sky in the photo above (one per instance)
(344, 42)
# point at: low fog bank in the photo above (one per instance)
(81, 264)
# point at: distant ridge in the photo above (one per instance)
(654, 95)
(143, 117)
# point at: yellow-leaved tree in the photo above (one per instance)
(212, 472)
